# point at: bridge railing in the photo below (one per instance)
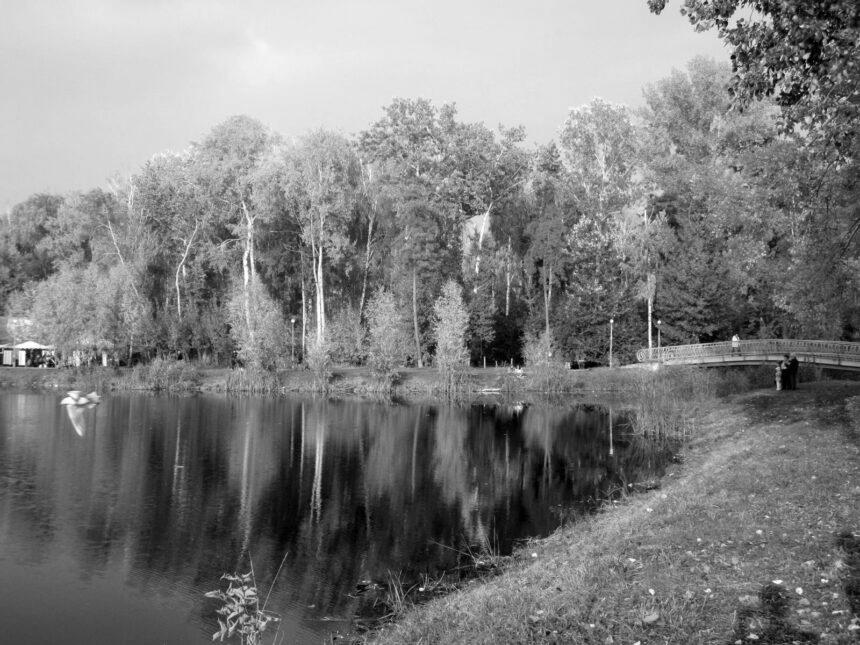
(753, 348)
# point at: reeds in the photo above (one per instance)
(253, 381)
(166, 374)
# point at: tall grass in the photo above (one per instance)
(166, 374)
(666, 400)
(253, 381)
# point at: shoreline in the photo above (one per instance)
(755, 537)
(492, 383)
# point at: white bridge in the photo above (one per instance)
(824, 353)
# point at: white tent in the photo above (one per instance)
(30, 344)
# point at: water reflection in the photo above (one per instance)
(143, 513)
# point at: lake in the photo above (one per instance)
(115, 536)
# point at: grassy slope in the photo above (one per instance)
(769, 481)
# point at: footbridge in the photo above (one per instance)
(824, 353)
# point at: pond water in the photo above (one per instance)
(115, 536)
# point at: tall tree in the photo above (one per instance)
(226, 165)
(320, 182)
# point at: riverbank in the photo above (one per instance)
(755, 537)
(411, 383)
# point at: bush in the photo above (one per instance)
(265, 343)
(545, 372)
(388, 338)
(346, 337)
(667, 399)
(451, 320)
(253, 381)
(167, 374)
(318, 360)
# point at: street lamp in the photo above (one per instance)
(611, 320)
(659, 322)
(293, 341)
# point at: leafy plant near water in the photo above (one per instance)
(254, 381)
(666, 400)
(166, 374)
(241, 614)
(318, 360)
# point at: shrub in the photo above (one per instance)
(167, 374)
(388, 344)
(545, 371)
(265, 343)
(318, 360)
(451, 320)
(346, 336)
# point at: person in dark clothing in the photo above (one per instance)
(793, 366)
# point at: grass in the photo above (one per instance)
(752, 539)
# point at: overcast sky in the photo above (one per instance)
(91, 88)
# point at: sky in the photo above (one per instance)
(93, 88)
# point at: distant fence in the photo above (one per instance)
(827, 353)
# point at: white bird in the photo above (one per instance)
(76, 403)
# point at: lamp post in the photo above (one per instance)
(659, 322)
(293, 341)
(611, 320)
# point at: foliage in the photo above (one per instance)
(543, 363)
(166, 374)
(346, 337)
(265, 345)
(318, 360)
(711, 218)
(482, 321)
(451, 321)
(241, 613)
(803, 54)
(388, 336)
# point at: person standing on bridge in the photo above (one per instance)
(736, 344)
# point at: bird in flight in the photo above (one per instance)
(76, 403)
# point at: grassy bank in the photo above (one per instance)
(179, 376)
(754, 538)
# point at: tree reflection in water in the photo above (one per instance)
(171, 492)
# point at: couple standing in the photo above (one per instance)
(786, 373)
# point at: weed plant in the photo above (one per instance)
(240, 613)
(318, 360)
(166, 374)
(253, 381)
(666, 400)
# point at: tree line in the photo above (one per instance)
(711, 214)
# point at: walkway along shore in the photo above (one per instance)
(755, 537)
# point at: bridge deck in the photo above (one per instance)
(826, 353)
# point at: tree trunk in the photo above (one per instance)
(320, 298)
(547, 296)
(248, 271)
(180, 269)
(367, 254)
(304, 307)
(418, 359)
(650, 343)
(508, 279)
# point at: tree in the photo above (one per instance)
(598, 149)
(482, 320)
(451, 321)
(320, 180)
(422, 254)
(22, 257)
(388, 337)
(227, 166)
(803, 54)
